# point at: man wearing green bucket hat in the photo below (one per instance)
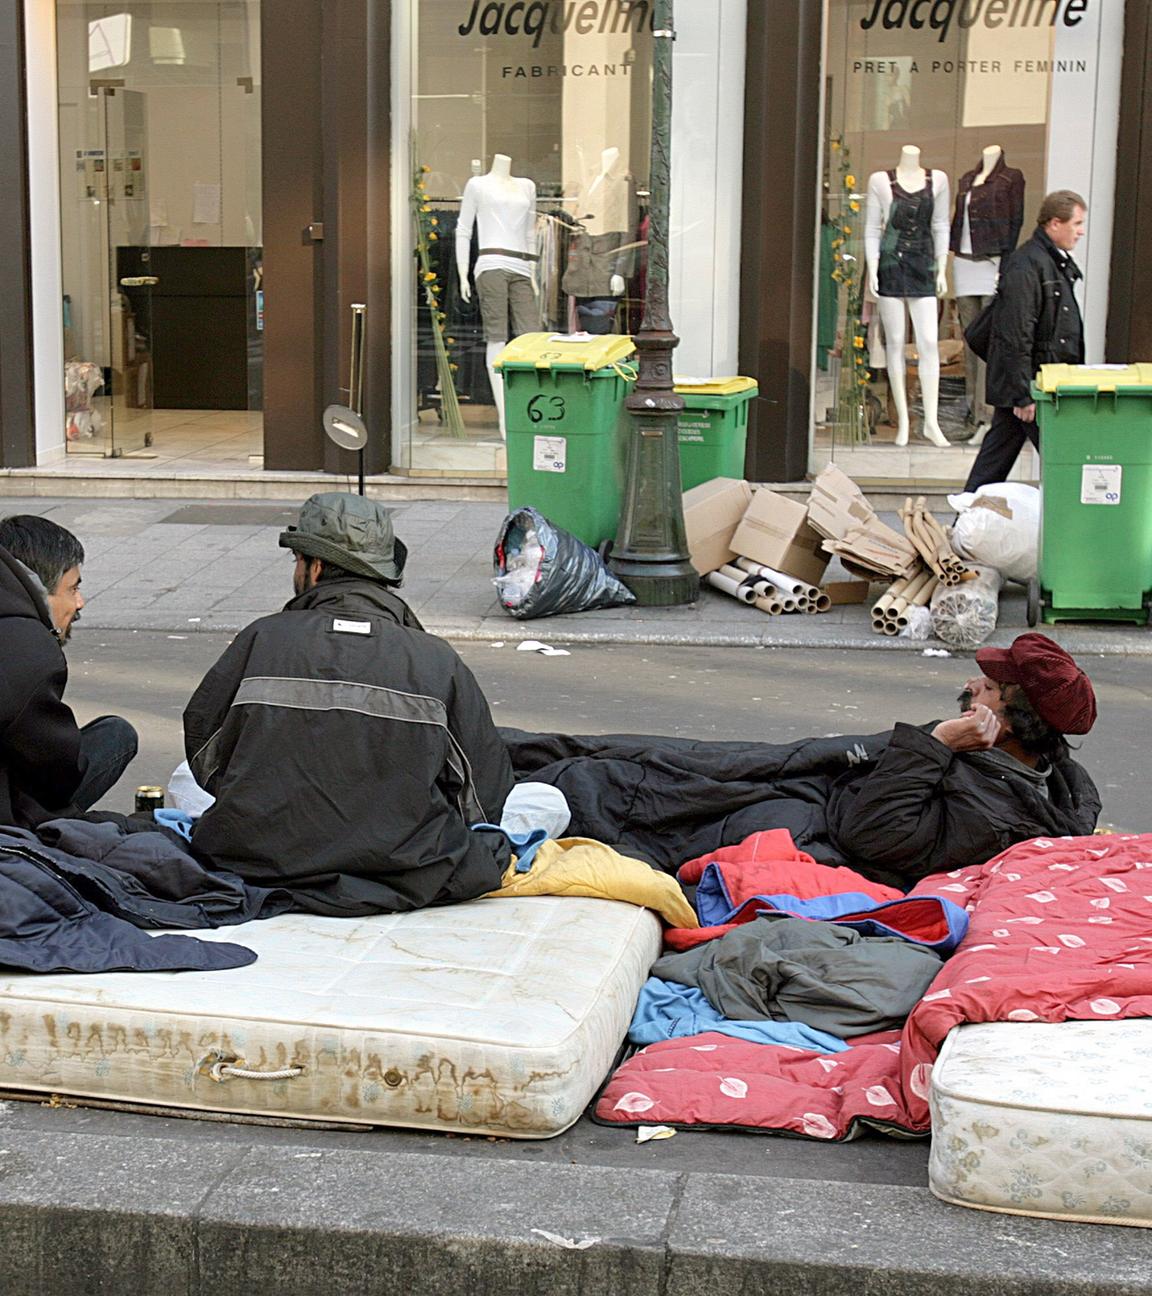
(350, 754)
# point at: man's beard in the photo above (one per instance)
(66, 633)
(965, 700)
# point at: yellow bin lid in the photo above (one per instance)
(713, 386)
(1103, 378)
(559, 351)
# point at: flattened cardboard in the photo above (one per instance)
(837, 505)
(775, 531)
(712, 512)
(839, 512)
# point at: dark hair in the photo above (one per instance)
(328, 570)
(1035, 735)
(42, 546)
(1060, 205)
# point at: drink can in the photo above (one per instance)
(149, 799)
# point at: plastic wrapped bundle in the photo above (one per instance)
(965, 615)
(543, 571)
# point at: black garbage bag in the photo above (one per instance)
(544, 571)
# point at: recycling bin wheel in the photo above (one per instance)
(1033, 602)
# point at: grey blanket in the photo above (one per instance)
(823, 974)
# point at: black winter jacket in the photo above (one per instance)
(894, 806)
(349, 752)
(1037, 320)
(995, 211)
(40, 761)
(923, 808)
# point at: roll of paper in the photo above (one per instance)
(744, 593)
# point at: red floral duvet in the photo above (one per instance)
(1060, 929)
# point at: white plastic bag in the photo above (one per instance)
(184, 793)
(999, 526)
(964, 615)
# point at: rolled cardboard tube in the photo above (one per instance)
(788, 604)
(784, 583)
(738, 574)
(763, 588)
(770, 605)
(923, 597)
(812, 609)
(728, 586)
(822, 602)
(891, 628)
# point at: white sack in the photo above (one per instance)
(984, 535)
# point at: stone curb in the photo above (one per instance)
(1086, 642)
(88, 1213)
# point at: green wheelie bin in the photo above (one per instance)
(567, 429)
(713, 427)
(1096, 494)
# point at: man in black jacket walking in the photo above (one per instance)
(1036, 322)
(350, 754)
(49, 766)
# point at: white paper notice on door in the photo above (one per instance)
(550, 454)
(1100, 483)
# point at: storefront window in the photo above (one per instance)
(159, 119)
(524, 133)
(945, 123)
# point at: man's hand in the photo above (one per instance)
(1025, 413)
(975, 730)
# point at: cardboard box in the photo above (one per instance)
(712, 512)
(775, 531)
(846, 591)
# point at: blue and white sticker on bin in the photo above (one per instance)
(1100, 483)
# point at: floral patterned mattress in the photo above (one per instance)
(1051, 1119)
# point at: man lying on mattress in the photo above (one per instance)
(895, 806)
(350, 753)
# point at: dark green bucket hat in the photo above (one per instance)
(350, 532)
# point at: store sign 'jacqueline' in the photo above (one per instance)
(534, 18)
(940, 15)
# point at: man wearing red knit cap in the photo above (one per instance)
(960, 791)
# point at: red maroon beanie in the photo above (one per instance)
(1060, 693)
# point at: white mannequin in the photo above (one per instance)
(988, 159)
(608, 159)
(977, 279)
(504, 208)
(912, 178)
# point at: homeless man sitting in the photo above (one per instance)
(894, 806)
(49, 766)
(351, 754)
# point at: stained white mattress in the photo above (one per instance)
(1051, 1119)
(496, 1017)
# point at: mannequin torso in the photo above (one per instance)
(502, 207)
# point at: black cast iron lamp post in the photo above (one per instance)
(651, 552)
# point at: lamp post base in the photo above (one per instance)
(658, 583)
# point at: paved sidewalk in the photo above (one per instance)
(184, 566)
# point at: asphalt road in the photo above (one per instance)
(738, 694)
(773, 694)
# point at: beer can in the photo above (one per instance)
(149, 798)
